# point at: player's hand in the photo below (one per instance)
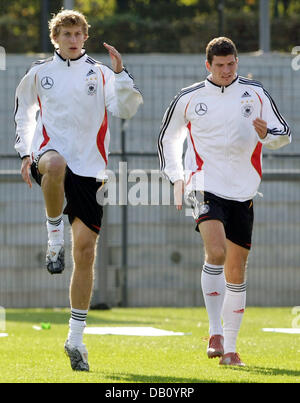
(115, 57)
(178, 193)
(26, 164)
(260, 127)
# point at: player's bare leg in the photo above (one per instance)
(81, 286)
(235, 263)
(84, 244)
(234, 301)
(214, 238)
(213, 282)
(53, 166)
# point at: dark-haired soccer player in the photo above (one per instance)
(226, 120)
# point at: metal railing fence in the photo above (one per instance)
(149, 255)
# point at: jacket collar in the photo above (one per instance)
(80, 58)
(220, 88)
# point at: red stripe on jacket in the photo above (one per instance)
(103, 129)
(199, 160)
(45, 134)
(101, 137)
(46, 138)
(256, 158)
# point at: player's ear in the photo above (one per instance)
(207, 65)
(55, 37)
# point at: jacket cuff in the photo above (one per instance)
(266, 139)
(176, 177)
(120, 73)
(23, 156)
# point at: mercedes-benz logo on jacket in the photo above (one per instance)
(201, 109)
(47, 82)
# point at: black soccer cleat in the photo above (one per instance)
(55, 259)
(78, 357)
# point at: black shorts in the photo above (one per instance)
(80, 193)
(237, 217)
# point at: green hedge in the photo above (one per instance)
(133, 34)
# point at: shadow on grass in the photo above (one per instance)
(62, 318)
(138, 378)
(266, 371)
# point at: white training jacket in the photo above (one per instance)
(72, 97)
(224, 152)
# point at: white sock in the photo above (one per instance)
(55, 228)
(213, 288)
(233, 312)
(76, 326)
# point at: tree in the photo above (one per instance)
(152, 25)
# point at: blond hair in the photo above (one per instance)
(66, 18)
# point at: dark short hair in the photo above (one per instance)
(221, 46)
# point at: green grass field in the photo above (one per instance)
(28, 355)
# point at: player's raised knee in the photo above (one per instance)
(55, 165)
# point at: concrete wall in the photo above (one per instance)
(165, 254)
(160, 77)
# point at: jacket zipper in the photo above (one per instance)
(227, 134)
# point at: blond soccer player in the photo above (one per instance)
(66, 150)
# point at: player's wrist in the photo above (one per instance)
(119, 70)
(263, 135)
(24, 156)
(266, 138)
